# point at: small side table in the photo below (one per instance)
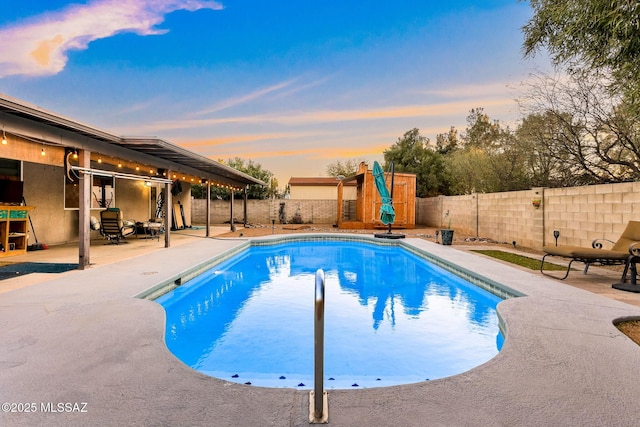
(151, 229)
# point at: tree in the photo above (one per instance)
(481, 131)
(470, 171)
(411, 154)
(589, 34)
(489, 158)
(592, 135)
(447, 142)
(253, 192)
(546, 162)
(345, 168)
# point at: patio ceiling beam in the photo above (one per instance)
(120, 175)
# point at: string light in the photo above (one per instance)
(99, 159)
(4, 137)
(75, 153)
(42, 152)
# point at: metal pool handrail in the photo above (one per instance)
(319, 413)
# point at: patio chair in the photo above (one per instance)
(113, 227)
(627, 246)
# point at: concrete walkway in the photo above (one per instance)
(81, 339)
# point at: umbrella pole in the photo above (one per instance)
(391, 195)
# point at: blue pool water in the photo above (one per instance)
(390, 317)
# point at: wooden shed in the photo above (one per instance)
(364, 212)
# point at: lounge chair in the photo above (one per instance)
(113, 227)
(628, 245)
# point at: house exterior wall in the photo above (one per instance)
(53, 224)
(44, 190)
(310, 192)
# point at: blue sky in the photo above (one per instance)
(292, 85)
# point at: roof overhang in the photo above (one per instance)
(34, 123)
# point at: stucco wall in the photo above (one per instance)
(44, 189)
(53, 224)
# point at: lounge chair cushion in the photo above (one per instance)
(579, 252)
(622, 251)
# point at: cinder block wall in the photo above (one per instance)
(512, 217)
(264, 211)
(460, 212)
(580, 214)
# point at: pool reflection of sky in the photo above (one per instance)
(390, 317)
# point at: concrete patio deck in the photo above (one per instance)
(81, 338)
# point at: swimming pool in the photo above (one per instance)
(391, 318)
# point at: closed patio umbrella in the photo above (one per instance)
(387, 213)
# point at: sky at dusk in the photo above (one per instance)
(292, 85)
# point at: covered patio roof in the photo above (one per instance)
(162, 159)
(34, 123)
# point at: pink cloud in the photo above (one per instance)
(40, 47)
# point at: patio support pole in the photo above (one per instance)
(246, 196)
(208, 221)
(168, 210)
(233, 226)
(84, 211)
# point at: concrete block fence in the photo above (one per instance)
(579, 214)
(264, 211)
(529, 218)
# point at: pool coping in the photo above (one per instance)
(84, 338)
